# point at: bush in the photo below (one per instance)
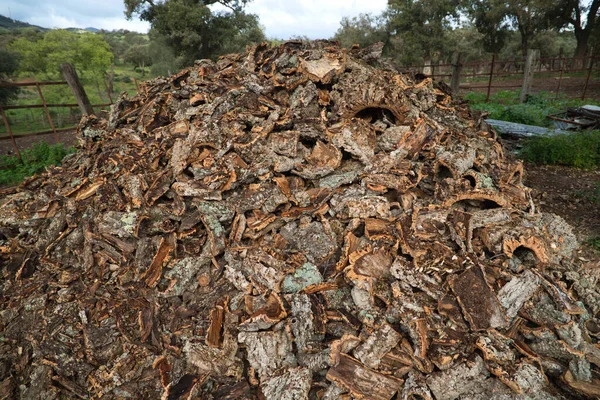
(577, 149)
(594, 242)
(35, 160)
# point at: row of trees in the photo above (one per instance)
(193, 30)
(414, 30)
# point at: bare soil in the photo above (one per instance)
(571, 86)
(569, 192)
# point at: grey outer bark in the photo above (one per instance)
(456, 68)
(532, 57)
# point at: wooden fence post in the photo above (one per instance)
(560, 63)
(12, 138)
(456, 68)
(532, 57)
(589, 72)
(37, 85)
(427, 66)
(80, 96)
(489, 88)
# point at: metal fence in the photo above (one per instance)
(45, 106)
(501, 74)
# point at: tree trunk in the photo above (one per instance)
(80, 96)
(111, 80)
(524, 43)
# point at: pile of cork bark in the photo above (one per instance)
(295, 222)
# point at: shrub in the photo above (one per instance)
(35, 160)
(577, 149)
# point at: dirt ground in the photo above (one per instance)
(572, 87)
(6, 147)
(572, 194)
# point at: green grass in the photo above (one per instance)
(35, 160)
(505, 106)
(34, 120)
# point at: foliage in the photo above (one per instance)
(580, 16)
(418, 28)
(35, 160)
(193, 30)
(364, 30)
(9, 23)
(489, 18)
(594, 242)
(164, 61)
(505, 106)
(8, 66)
(533, 17)
(88, 52)
(139, 56)
(577, 149)
(122, 40)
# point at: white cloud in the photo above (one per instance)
(316, 19)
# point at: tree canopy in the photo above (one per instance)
(88, 52)
(8, 66)
(194, 30)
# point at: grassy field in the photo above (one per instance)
(24, 121)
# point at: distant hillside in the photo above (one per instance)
(8, 23)
(80, 30)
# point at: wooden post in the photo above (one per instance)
(80, 96)
(532, 57)
(456, 69)
(12, 138)
(589, 72)
(560, 63)
(489, 88)
(37, 85)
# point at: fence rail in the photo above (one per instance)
(468, 73)
(45, 106)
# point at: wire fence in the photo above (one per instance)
(575, 77)
(38, 119)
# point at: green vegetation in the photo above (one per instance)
(580, 149)
(88, 52)
(577, 149)
(35, 160)
(594, 242)
(194, 31)
(417, 31)
(505, 106)
(9, 23)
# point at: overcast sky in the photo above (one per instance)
(281, 18)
